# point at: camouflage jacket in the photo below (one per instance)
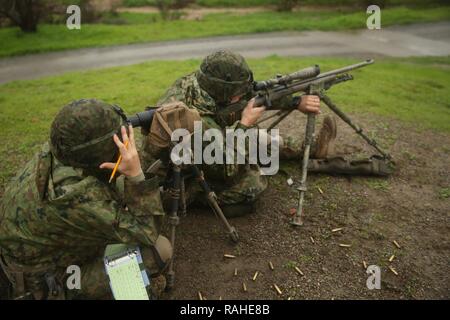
(188, 91)
(53, 216)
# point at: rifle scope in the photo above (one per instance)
(281, 80)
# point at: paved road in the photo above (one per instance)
(431, 39)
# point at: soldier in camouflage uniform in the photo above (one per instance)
(224, 78)
(60, 209)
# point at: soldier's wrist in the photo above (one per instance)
(242, 125)
(136, 178)
(296, 101)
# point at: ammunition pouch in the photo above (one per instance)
(373, 166)
(168, 118)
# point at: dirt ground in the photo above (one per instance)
(409, 207)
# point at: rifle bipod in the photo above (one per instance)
(177, 193)
(317, 89)
(354, 126)
(297, 220)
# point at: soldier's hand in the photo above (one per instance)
(251, 114)
(130, 165)
(309, 104)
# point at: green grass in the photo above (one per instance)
(290, 264)
(411, 90)
(140, 28)
(206, 3)
(444, 193)
(381, 185)
(252, 3)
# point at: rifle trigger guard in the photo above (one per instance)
(268, 101)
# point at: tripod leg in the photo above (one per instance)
(183, 207)
(212, 201)
(310, 128)
(269, 117)
(279, 119)
(173, 220)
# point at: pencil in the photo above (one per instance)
(113, 173)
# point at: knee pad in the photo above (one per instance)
(164, 248)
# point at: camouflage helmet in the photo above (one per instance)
(223, 75)
(81, 133)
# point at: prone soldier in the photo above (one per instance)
(224, 78)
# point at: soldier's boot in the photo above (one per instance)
(162, 255)
(324, 143)
(238, 210)
(374, 165)
(5, 285)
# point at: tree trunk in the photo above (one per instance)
(24, 13)
(29, 13)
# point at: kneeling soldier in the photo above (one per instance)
(60, 209)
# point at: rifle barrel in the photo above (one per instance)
(298, 75)
(347, 68)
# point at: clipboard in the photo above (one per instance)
(126, 272)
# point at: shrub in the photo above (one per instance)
(23, 13)
(286, 5)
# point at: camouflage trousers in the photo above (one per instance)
(94, 281)
(240, 194)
